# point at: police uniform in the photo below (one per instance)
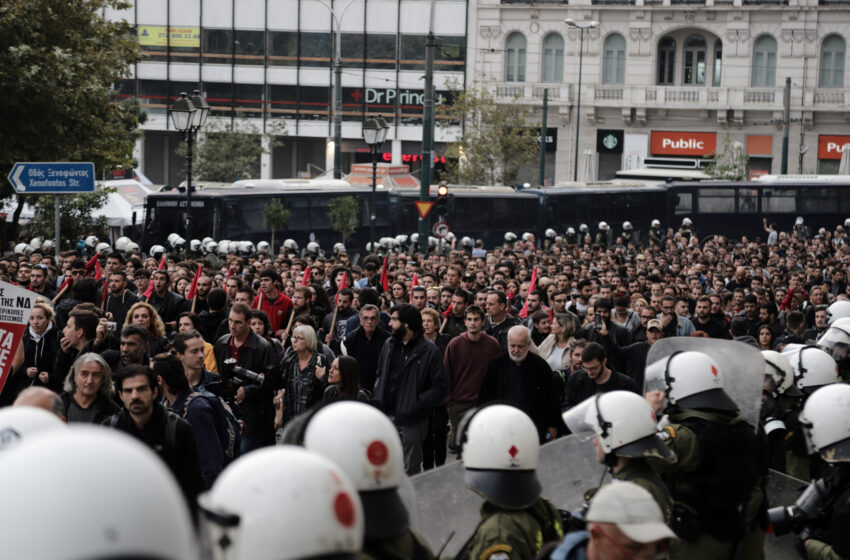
(505, 534)
(655, 235)
(627, 236)
(408, 546)
(710, 483)
(833, 542)
(601, 239)
(640, 472)
(686, 232)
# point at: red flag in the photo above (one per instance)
(105, 296)
(162, 264)
(98, 272)
(193, 289)
(551, 316)
(343, 284)
(229, 274)
(385, 279)
(305, 278)
(66, 284)
(448, 311)
(531, 287)
(149, 292)
(90, 264)
(413, 283)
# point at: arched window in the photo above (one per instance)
(515, 57)
(553, 58)
(693, 67)
(832, 53)
(764, 62)
(718, 63)
(666, 60)
(614, 60)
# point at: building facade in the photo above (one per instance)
(269, 63)
(671, 78)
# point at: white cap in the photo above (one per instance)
(632, 509)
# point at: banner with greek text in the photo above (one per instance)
(15, 308)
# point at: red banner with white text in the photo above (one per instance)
(15, 308)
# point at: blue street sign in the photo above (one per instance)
(52, 178)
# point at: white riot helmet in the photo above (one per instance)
(263, 246)
(603, 226)
(501, 449)
(36, 243)
(655, 223)
(290, 245)
(414, 238)
(122, 242)
(313, 247)
(48, 245)
(102, 248)
(18, 423)
(175, 240)
(385, 242)
(432, 242)
(799, 221)
(687, 222)
(210, 246)
(22, 249)
(526, 236)
(401, 239)
(195, 245)
(550, 233)
(779, 375)
(450, 236)
(147, 518)
(813, 368)
(91, 241)
(582, 228)
(836, 340)
(206, 240)
(837, 310)
(365, 444)
(623, 422)
(223, 247)
(339, 248)
(156, 251)
(826, 422)
(316, 505)
(510, 237)
(571, 230)
(246, 247)
(627, 226)
(691, 380)
(466, 242)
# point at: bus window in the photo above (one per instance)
(779, 201)
(684, 203)
(819, 201)
(299, 220)
(716, 201)
(748, 201)
(319, 208)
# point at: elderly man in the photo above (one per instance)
(525, 380)
(42, 397)
(364, 344)
(88, 390)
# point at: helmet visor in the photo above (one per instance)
(836, 343)
(583, 420)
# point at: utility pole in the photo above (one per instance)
(786, 129)
(541, 174)
(427, 131)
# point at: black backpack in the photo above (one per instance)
(226, 424)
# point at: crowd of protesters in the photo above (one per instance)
(123, 338)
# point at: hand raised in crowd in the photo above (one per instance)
(101, 332)
(655, 400)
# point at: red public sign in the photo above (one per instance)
(831, 146)
(665, 143)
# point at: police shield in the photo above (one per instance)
(448, 512)
(741, 367)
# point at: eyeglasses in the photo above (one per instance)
(297, 337)
(77, 272)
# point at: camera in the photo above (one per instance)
(231, 370)
(785, 519)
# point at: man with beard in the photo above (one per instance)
(302, 301)
(704, 322)
(88, 391)
(595, 377)
(38, 282)
(165, 302)
(168, 435)
(133, 348)
(410, 382)
(524, 380)
(120, 299)
(204, 287)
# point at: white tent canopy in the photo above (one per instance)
(130, 196)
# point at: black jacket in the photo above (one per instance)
(42, 356)
(366, 351)
(169, 306)
(202, 417)
(175, 446)
(617, 336)
(540, 393)
(210, 321)
(418, 386)
(104, 407)
(120, 306)
(258, 409)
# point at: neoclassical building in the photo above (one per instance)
(671, 79)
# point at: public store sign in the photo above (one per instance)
(15, 308)
(161, 36)
(665, 143)
(831, 146)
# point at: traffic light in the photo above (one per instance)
(442, 200)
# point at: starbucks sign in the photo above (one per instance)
(609, 141)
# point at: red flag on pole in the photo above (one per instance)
(161, 263)
(343, 284)
(448, 311)
(385, 279)
(65, 284)
(193, 289)
(413, 283)
(149, 292)
(90, 264)
(551, 316)
(305, 278)
(229, 274)
(531, 287)
(98, 272)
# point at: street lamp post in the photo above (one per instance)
(374, 134)
(188, 114)
(589, 25)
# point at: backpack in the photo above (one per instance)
(226, 424)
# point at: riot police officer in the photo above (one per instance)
(628, 232)
(686, 231)
(625, 431)
(779, 396)
(571, 238)
(500, 449)
(602, 235)
(655, 233)
(717, 468)
(366, 445)
(836, 341)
